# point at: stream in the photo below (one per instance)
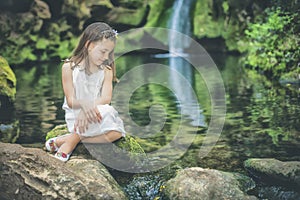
(261, 120)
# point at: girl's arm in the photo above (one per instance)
(107, 88)
(67, 82)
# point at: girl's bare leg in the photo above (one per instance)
(69, 143)
(62, 139)
(105, 138)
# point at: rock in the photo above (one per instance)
(7, 80)
(127, 151)
(270, 168)
(9, 132)
(41, 9)
(205, 184)
(132, 4)
(29, 173)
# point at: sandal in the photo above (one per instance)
(62, 156)
(51, 145)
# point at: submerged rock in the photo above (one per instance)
(270, 168)
(206, 184)
(30, 173)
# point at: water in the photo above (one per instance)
(180, 22)
(262, 119)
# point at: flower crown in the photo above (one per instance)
(110, 33)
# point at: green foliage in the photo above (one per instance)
(57, 40)
(221, 19)
(225, 6)
(273, 43)
(160, 12)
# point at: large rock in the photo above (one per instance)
(207, 184)
(28, 173)
(285, 172)
(7, 80)
(127, 153)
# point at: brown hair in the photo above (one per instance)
(93, 33)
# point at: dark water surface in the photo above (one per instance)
(262, 118)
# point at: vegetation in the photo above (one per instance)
(7, 80)
(268, 31)
(274, 43)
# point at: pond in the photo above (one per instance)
(262, 117)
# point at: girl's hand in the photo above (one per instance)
(91, 111)
(81, 123)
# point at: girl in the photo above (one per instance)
(87, 83)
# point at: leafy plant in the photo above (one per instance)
(273, 43)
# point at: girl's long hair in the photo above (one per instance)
(93, 33)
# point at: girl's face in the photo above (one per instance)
(99, 51)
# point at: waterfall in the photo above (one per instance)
(180, 21)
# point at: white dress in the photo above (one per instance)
(89, 87)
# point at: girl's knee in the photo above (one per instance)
(113, 135)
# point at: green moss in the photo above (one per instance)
(7, 80)
(128, 16)
(57, 131)
(130, 144)
(160, 12)
(220, 21)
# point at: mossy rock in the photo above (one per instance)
(8, 80)
(126, 146)
(57, 131)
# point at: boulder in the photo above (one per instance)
(270, 168)
(207, 184)
(7, 80)
(31, 173)
(127, 153)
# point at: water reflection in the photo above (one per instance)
(188, 104)
(37, 108)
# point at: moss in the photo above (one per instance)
(127, 16)
(57, 131)
(8, 80)
(227, 21)
(130, 144)
(160, 12)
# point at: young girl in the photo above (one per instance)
(87, 83)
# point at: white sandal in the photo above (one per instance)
(62, 156)
(51, 145)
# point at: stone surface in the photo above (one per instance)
(205, 184)
(274, 169)
(7, 80)
(127, 153)
(29, 173)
